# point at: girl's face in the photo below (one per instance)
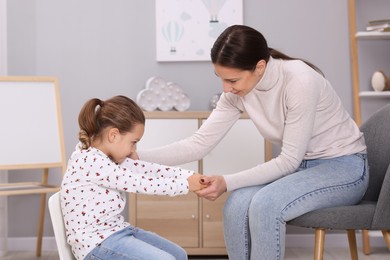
(124, 145)
(237, 81)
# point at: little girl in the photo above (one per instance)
(103, 167)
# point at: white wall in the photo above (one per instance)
(101, 48)
(3, 174)
(3, 38)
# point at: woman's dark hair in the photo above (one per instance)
(120, 112)
(242, 47)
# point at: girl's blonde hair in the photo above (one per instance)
(120, 112)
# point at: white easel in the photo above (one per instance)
(32, 136)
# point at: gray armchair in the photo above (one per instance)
(373, 212)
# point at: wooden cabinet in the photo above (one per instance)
(194, 223)
(370, 51)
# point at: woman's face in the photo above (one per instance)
(237, 81)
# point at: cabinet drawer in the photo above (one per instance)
(175, 218)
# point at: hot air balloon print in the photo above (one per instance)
(186, 29)
(214, 6)
(173, 32)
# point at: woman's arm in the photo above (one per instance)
(301, 99)
(199, 144)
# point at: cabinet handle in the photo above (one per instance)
(193, 216)
(207, 216)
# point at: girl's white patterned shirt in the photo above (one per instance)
(93, 194)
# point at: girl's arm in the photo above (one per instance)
(155, 169)
(138, 176)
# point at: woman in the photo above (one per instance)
(323, 154)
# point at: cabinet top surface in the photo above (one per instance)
(181, 115)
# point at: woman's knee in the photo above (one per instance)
(238, 202)
(265, 205)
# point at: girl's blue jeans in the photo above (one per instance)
(134, 243)
(255, 217)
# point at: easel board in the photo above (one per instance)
(31, 134)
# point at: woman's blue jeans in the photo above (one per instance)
(137, 244)
(255, 217)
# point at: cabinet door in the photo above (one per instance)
(241, 148)
(175, 218)
(159, 132)
(212, 222)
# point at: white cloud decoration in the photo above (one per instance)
(162, 95)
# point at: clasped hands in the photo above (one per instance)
(208, 187)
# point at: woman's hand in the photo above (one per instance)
(216, 185)
(194, 182)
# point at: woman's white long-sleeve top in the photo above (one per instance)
(293, 106)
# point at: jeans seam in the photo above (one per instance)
(278, 221)
(326, 189)
(246, 235)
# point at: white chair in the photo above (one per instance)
(64, 249)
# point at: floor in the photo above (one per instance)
(291, 254)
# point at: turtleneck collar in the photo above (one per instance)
(270, 76)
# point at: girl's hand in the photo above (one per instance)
(216, 185)
(194, 182)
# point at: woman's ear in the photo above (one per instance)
(260, 67)
(113, 134)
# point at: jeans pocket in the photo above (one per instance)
(102, 252)
(362, 156)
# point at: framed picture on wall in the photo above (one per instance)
(187, 29)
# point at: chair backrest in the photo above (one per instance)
(57, 220)
(377, 135)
